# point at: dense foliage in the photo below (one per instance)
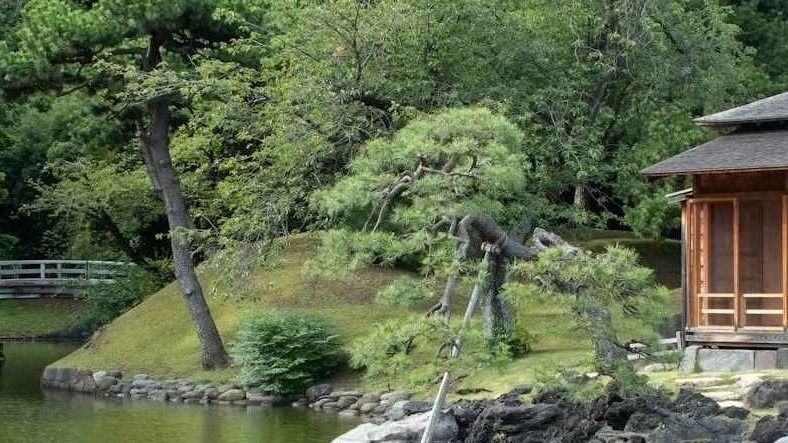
(405, 351)
(634, 306)
(107, 301)
(597, 88)
(283, 352)
(434, 170)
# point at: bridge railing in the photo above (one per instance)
(87, 270)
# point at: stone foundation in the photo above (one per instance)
(699, 359)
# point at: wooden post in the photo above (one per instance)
(785, 260)
(43, 269)
(684, 297)
(693, 269)
(478, 288)
(704, 262)
(736, 295)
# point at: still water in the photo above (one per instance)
(28, 415)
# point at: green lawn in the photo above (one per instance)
(39, 317)
(157, 338)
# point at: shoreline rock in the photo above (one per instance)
(369, 406)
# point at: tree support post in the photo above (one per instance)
(478, 289)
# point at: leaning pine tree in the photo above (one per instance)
(451, 192)
(145, 59)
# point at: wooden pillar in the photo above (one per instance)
(703, 265)
(736, 292)
(785, 260)
(685, 305)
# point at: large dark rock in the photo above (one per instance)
(681, 428)
(695, 405)
(645, 421)
(465, 413)
(608, 435)
(735, 412)
(616, 411)
(519, 421)
(316, 392)
(540, 422)
(770, 429)
(767, 393)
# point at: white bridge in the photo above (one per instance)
(55, 278)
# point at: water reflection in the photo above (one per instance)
(27, 415)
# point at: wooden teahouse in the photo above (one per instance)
(735, 227)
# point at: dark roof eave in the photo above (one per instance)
(710, 171)
(700, 121)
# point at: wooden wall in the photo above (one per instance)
(735, 182)
(737, 227)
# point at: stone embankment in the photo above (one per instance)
(376, 407)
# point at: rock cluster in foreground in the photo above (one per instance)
(552, 417)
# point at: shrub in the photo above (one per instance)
(404, 352)
(403, 292)
(284, 352)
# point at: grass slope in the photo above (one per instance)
(157, 338)
(40, 317)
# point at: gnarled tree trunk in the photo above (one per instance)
(154, 142)
(497, 310)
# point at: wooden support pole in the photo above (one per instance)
(478, 289)
(684, 292)
(785, 259)
(736, 292)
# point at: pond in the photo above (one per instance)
(28, 415)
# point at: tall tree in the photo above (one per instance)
(141, 56)
(764, 27)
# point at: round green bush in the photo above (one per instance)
(284, 352)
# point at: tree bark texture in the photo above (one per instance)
(608, 353)
(497, 310)
(154, 142)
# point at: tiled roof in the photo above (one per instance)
(758, 150)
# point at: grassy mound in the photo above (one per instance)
(157, 337)
(40, 318)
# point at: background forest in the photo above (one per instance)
(271, 120)
(599, 89)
